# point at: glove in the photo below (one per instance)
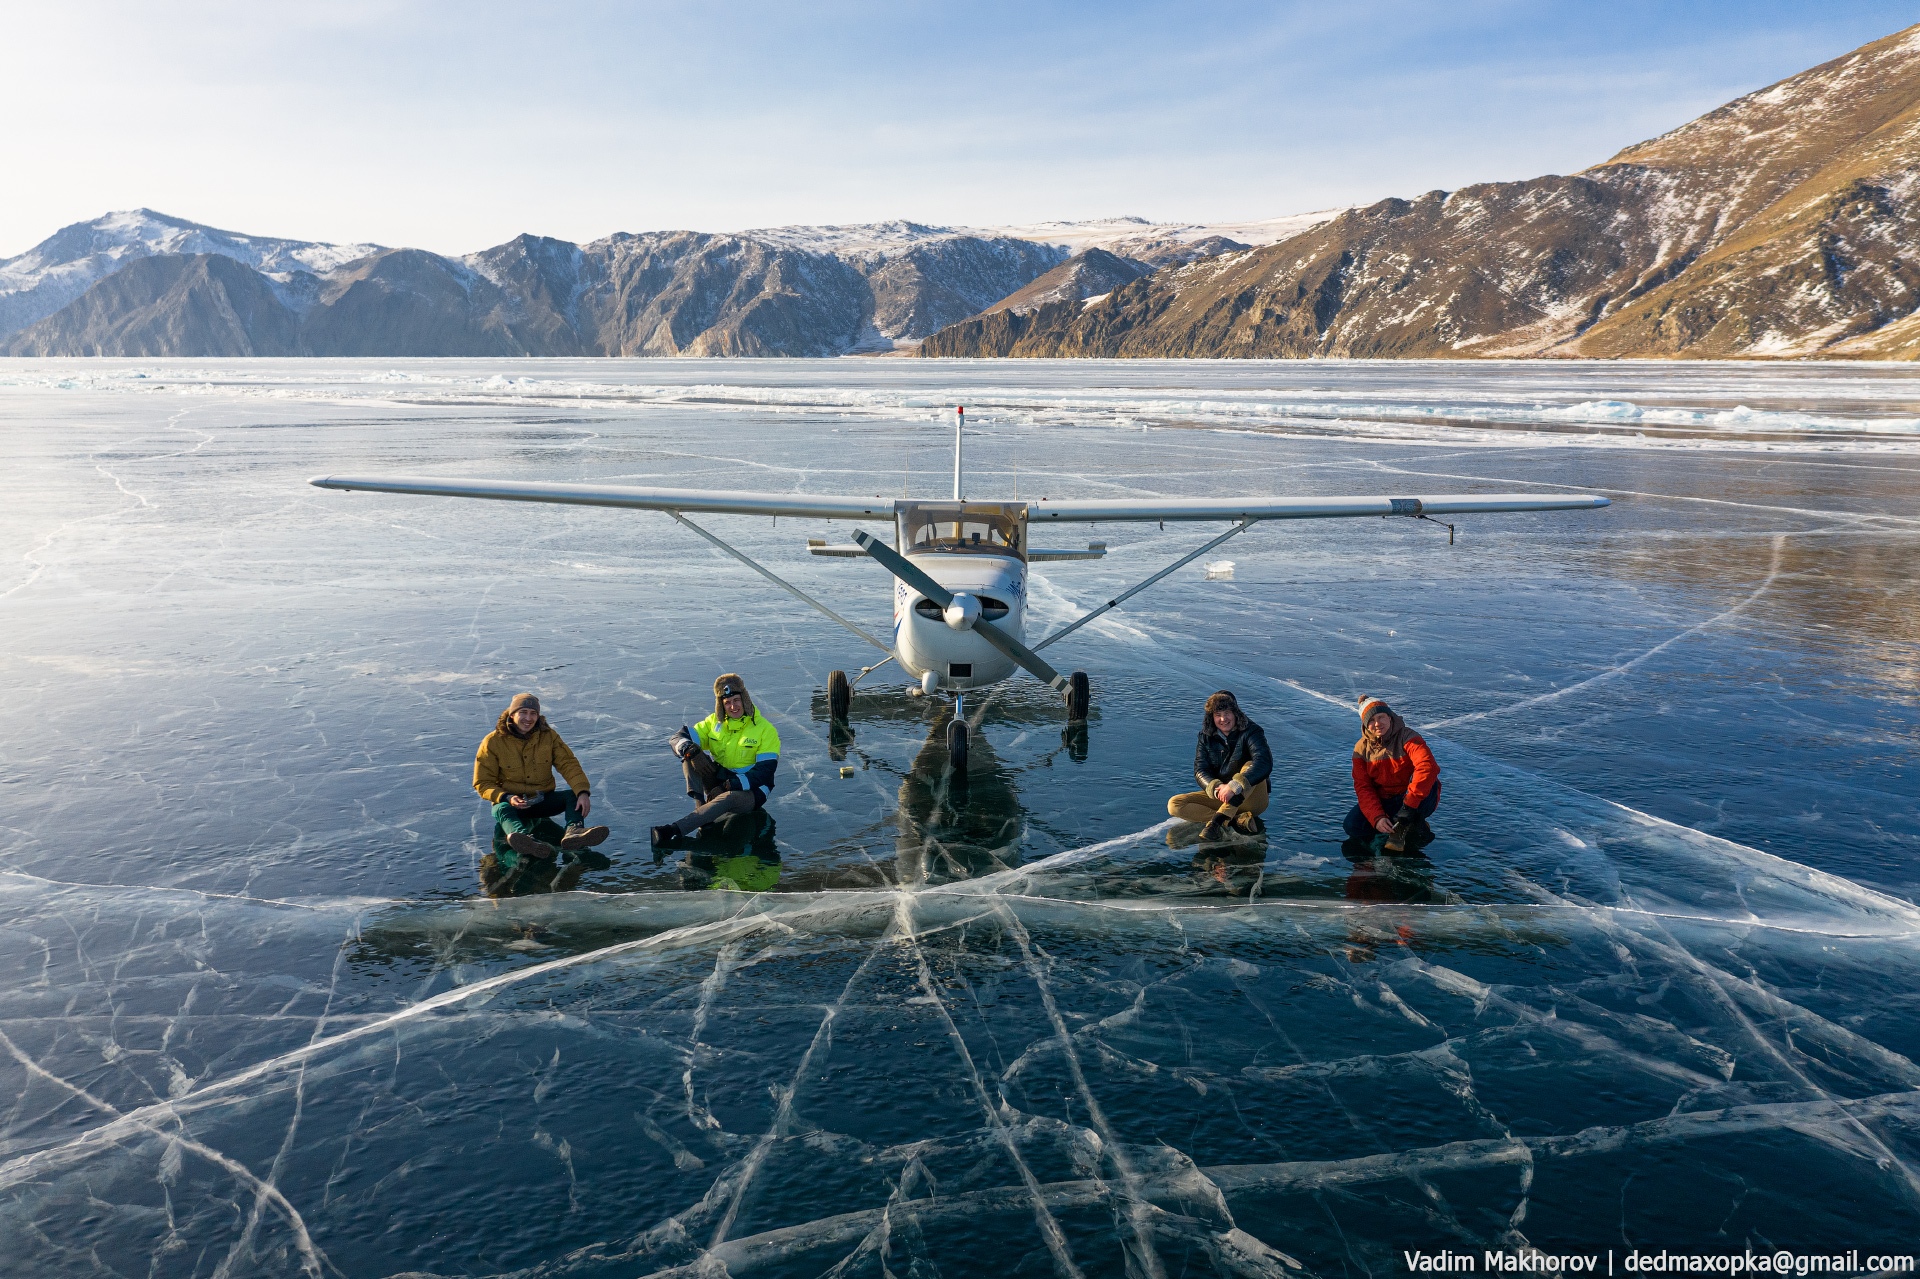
(1402, 830)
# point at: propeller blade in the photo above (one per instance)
(910, 573)
(898, 565)
(1020, 653)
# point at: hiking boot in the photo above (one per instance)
(666, 836)
(527, 846)
(1249, 824)
(578, 836)
(1216, 828)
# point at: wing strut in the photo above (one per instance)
(781, 582)
(1117, 600)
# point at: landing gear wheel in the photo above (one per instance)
(957, 744)
(1078, 696)
(839, 695)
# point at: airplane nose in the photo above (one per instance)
(962, 613)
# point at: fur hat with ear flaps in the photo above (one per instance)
(730, 683)
(1223, 701)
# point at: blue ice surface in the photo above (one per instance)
(1653, 986)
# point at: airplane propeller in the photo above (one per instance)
(904, 569)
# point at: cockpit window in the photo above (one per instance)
(962, 528)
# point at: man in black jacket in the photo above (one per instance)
(1232, 764)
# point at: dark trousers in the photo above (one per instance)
(724, 795)
(1358, 827)
(552, 804)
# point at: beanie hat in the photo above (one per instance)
(523, 700)
(1371, 706)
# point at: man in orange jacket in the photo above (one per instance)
(1395, 779)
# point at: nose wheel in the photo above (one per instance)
(957, 736)
(839, 695)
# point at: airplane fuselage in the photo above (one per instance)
(925, 640)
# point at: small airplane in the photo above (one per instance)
(960, 565)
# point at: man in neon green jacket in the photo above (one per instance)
(729, 759)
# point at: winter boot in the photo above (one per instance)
(578, 836)
(666, 836)
(1249, 824)
(527, 846)
(1216, 828)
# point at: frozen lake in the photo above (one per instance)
(1656, 985)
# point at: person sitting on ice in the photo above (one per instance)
(1396, 780)
(513, 770)
(729, 760)
(1232, 764)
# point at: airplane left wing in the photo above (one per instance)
(1297, 508)
(690, 501)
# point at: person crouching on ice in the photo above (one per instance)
(729, 759)
(513, 770)
(1232, 764)
(1395, 778)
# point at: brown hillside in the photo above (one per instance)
(1775, 225)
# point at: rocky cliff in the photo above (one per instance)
(1780, 224)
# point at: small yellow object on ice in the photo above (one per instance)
(846, 770)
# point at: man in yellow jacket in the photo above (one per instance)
(729, 759)
(513, 770)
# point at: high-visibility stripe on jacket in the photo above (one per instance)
(1385, 784)
(749, 747)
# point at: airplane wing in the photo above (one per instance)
(712, 502)
(690, 501)
(1298, 508)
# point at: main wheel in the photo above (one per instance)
(839, 695)
(1078, 697)
(957, 744)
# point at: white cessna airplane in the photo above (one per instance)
(960, 595)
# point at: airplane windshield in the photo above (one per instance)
(962, 528)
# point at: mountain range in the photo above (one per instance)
(1779, 225)
(142, 283)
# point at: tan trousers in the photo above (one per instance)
(1198, 806)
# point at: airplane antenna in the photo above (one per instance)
(959, 430)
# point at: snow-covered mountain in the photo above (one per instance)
(73, 259)
(794, 290)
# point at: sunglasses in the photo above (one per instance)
(733, 692)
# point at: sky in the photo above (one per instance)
(455, 126)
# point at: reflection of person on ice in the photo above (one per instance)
(513, 770)
(1232, 764)
(1395, 778)
(729, 759)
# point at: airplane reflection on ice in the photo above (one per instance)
(955, 819)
